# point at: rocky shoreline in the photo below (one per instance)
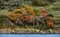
(28, 31)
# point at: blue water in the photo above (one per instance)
(29, 35)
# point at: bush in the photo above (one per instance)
(3, 20)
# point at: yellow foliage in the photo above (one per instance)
(13, 18)
(13, 15)
(8, 13)
(17, 13)
(24, 11)
(17, 10)
(29, 9)
(27, 6)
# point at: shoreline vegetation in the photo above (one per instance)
(27, 16)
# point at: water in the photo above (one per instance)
(29, 35)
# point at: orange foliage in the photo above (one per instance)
(27, 17)
(44, 11)
(50, 23)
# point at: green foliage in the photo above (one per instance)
(3, 20)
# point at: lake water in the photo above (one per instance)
(29, 35)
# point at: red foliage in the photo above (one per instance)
(27, 17)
